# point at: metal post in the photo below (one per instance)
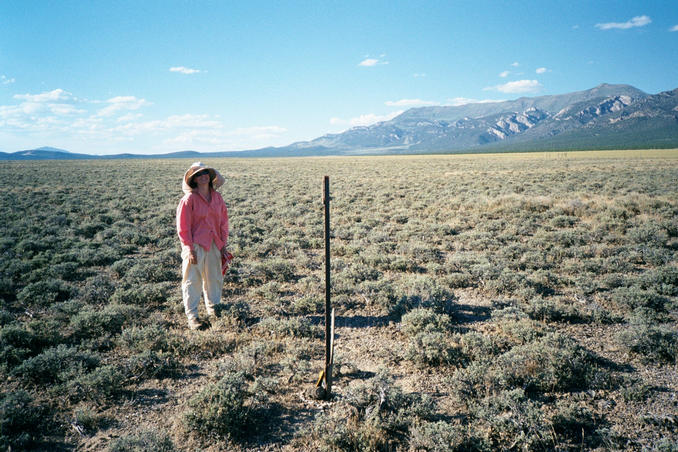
(329, 330)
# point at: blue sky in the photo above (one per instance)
(105, 77)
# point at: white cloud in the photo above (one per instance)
(418, 74)
(121, 103)
(184, 70)
(541, 70)
(5, 80)
(518, 86)
(244, 137)
(515, 64)
(369, 62)
(258, 132)
(457, 101)
(364, 120)
(411, 103)
(638, 21)
(674, 28)
(49, 96)
(504, 74)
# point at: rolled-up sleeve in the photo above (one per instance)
(184, 223)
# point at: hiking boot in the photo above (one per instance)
(195, 324)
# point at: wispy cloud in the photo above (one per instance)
(184, 70)
(638, 21)
(515, 64)
(541, 70)
(48, 96)
(504, 74)
(122, 103)
(364, 120)
(518, 86)
(674, 28)
(457, 101)
(6, 80)
(418, 74)
(371, 62)
(411, 103)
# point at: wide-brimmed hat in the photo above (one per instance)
(216, 178)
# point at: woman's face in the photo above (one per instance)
(202, 177)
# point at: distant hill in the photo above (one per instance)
(604, 117)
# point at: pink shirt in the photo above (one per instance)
(201, 222)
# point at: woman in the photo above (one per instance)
(202, 224)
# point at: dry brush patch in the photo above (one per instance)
(483, 302)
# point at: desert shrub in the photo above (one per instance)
(21, 421)
(56, 364)
(66, 271)
(20, 341)
(506, 282)
(547, 309)
(139, 338)
(574, 422)
(650, 343)
(380, 293)
(150, 294)
(432, 348)
(121, 266)
(102, 383)
(294, 326)
(308, 304)
(276, 269)
(143, 441)
(664, 445)
(459, 280)
(97, 290)
(511, 418)
(380, 417)
(438, 436)
(635, 390)
(649, 233)
(87, 419)
(519, 332)
(151, 364)
(422, 292)
(45, 293)
(96, 323)
(476, 346)
(507, 312)
(422, 319)
(224, 409)
(88, 229)
(153, 270)
(237, 313)
(429, 341)
(359, 272)
(634, 297)
(663, 280)
(551, 363)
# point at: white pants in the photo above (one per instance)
(204, 277)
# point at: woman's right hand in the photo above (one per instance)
(193, 258)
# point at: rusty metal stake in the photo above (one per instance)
(329, 312)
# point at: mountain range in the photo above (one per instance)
(604, 117)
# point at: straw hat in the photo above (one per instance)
(216, 178)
